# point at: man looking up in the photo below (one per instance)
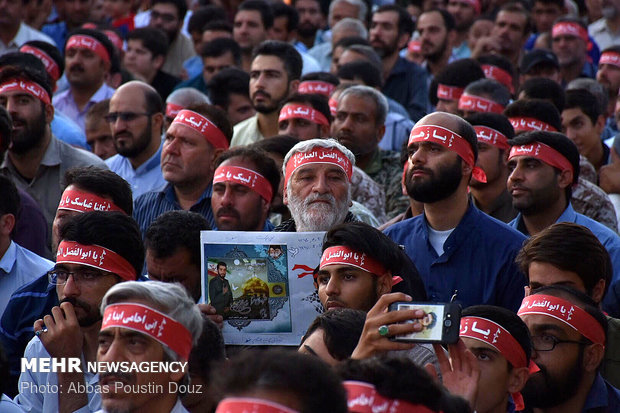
(36, 160)
(244, 184)
(317, 180)
(405, 82)
(457, 249)
(274, 76)
(136, 117)
(193, 141)
(179, 326)
(72, 328)
(88, 58)
(544, 166)
(568, 337)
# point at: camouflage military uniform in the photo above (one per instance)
(386, 169)
(590, 200)
(368, 193)
(587, 171)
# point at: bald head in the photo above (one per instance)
(186, 96)
(152, 102)
(455, 124)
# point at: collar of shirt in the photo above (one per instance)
(597, 397)
(171, 196)
(376, 163)
(8, 259)
(151, 163)
(460, 232)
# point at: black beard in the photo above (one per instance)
(438, 186)
(139, 145)
(29, 137)
(307, 31)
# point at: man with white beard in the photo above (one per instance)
(317, 182)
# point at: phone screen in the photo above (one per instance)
(432, 322)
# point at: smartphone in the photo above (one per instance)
(441, 323)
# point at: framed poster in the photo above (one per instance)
(261, 283)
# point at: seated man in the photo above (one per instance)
(568, 337)
(125, 339)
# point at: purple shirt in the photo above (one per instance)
(64, 103)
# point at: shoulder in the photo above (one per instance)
(72, 156)
(402, 229)
(33, 261)
(114, 162)
(147, 199)
(496, 231)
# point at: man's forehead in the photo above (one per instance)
(248, 15)
(385, 16)
(240, 162)
(177, 130)
(267, 62)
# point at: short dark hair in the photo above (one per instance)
(102, 182)
(398, 377)
(362, 69)
(459, 73)
(101, 38)
(559, 3)
(280, 9)
(313, 383)
(262, 7)
(279, 144)
(51, 50)
(180, 5)
(569, 247)
(220, 46)
(173, 230)
(285, 52)
(228, 81)
(263, 163)
(376, 245)
(350, 41)
(153, 103)
(221, 264)
(9, 201)
(6, 126)
(205, 15)
(545, 89)
(112, 230)
(316, 101)
(555, 140)
(218, 25)
(152, 39)
(342, 328)
(584, 100)
(490, 88)
(495, 121)
(405, 23)
(537, 109)
(578, 298)
(215, 115)
(508, 320)
(448, 19)
(321, 76)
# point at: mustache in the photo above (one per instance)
(76, 303)
(76, 68)
(228, 211)
(265, 94)
(319, 197)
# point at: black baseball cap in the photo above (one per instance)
(536, 57)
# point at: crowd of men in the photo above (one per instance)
(457, 151)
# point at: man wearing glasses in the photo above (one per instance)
(568, 343)
(97, 250)
(136, 118)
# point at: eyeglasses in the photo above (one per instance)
(167, 18)
(547, 342)
(124, 116)
(85, 276)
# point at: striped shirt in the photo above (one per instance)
(147, 207)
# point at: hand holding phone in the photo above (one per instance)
(440, 324)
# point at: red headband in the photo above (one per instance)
(71, 252)
(570, 29)
(364, 398)
(246, 177)
(172, 109)
(82, 41)
(153, 323)
(202, 125)
(499, 74)
(610, 58)
(341, 255)
(453, 141)
(449, 92)
(566, 312)
(543, 152)
(318, 154)
(491, 136)
(114, 38)
(26, 86)
(50, 64)
(478, 104)
(316, 87)
(414, 46)
(76, 200)
(296, 111)
(333, 106)
(249, 405)
(530, 124)
(500, 339)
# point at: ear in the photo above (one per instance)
(384, 284)
(527, 290)
(599, 125)
(452, 37)
(265, 207)
(284, 196)
(49, 113)
(380, 132)
(517, 379)
(292, 87)
(466, 168)
(7, 223)
(598, 291)
(324, 131)
(158, 121)
(177, 376)
(565, 179)
(592, 357)
(158, 61)
(403, 39)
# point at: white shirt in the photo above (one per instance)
(24, 34)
